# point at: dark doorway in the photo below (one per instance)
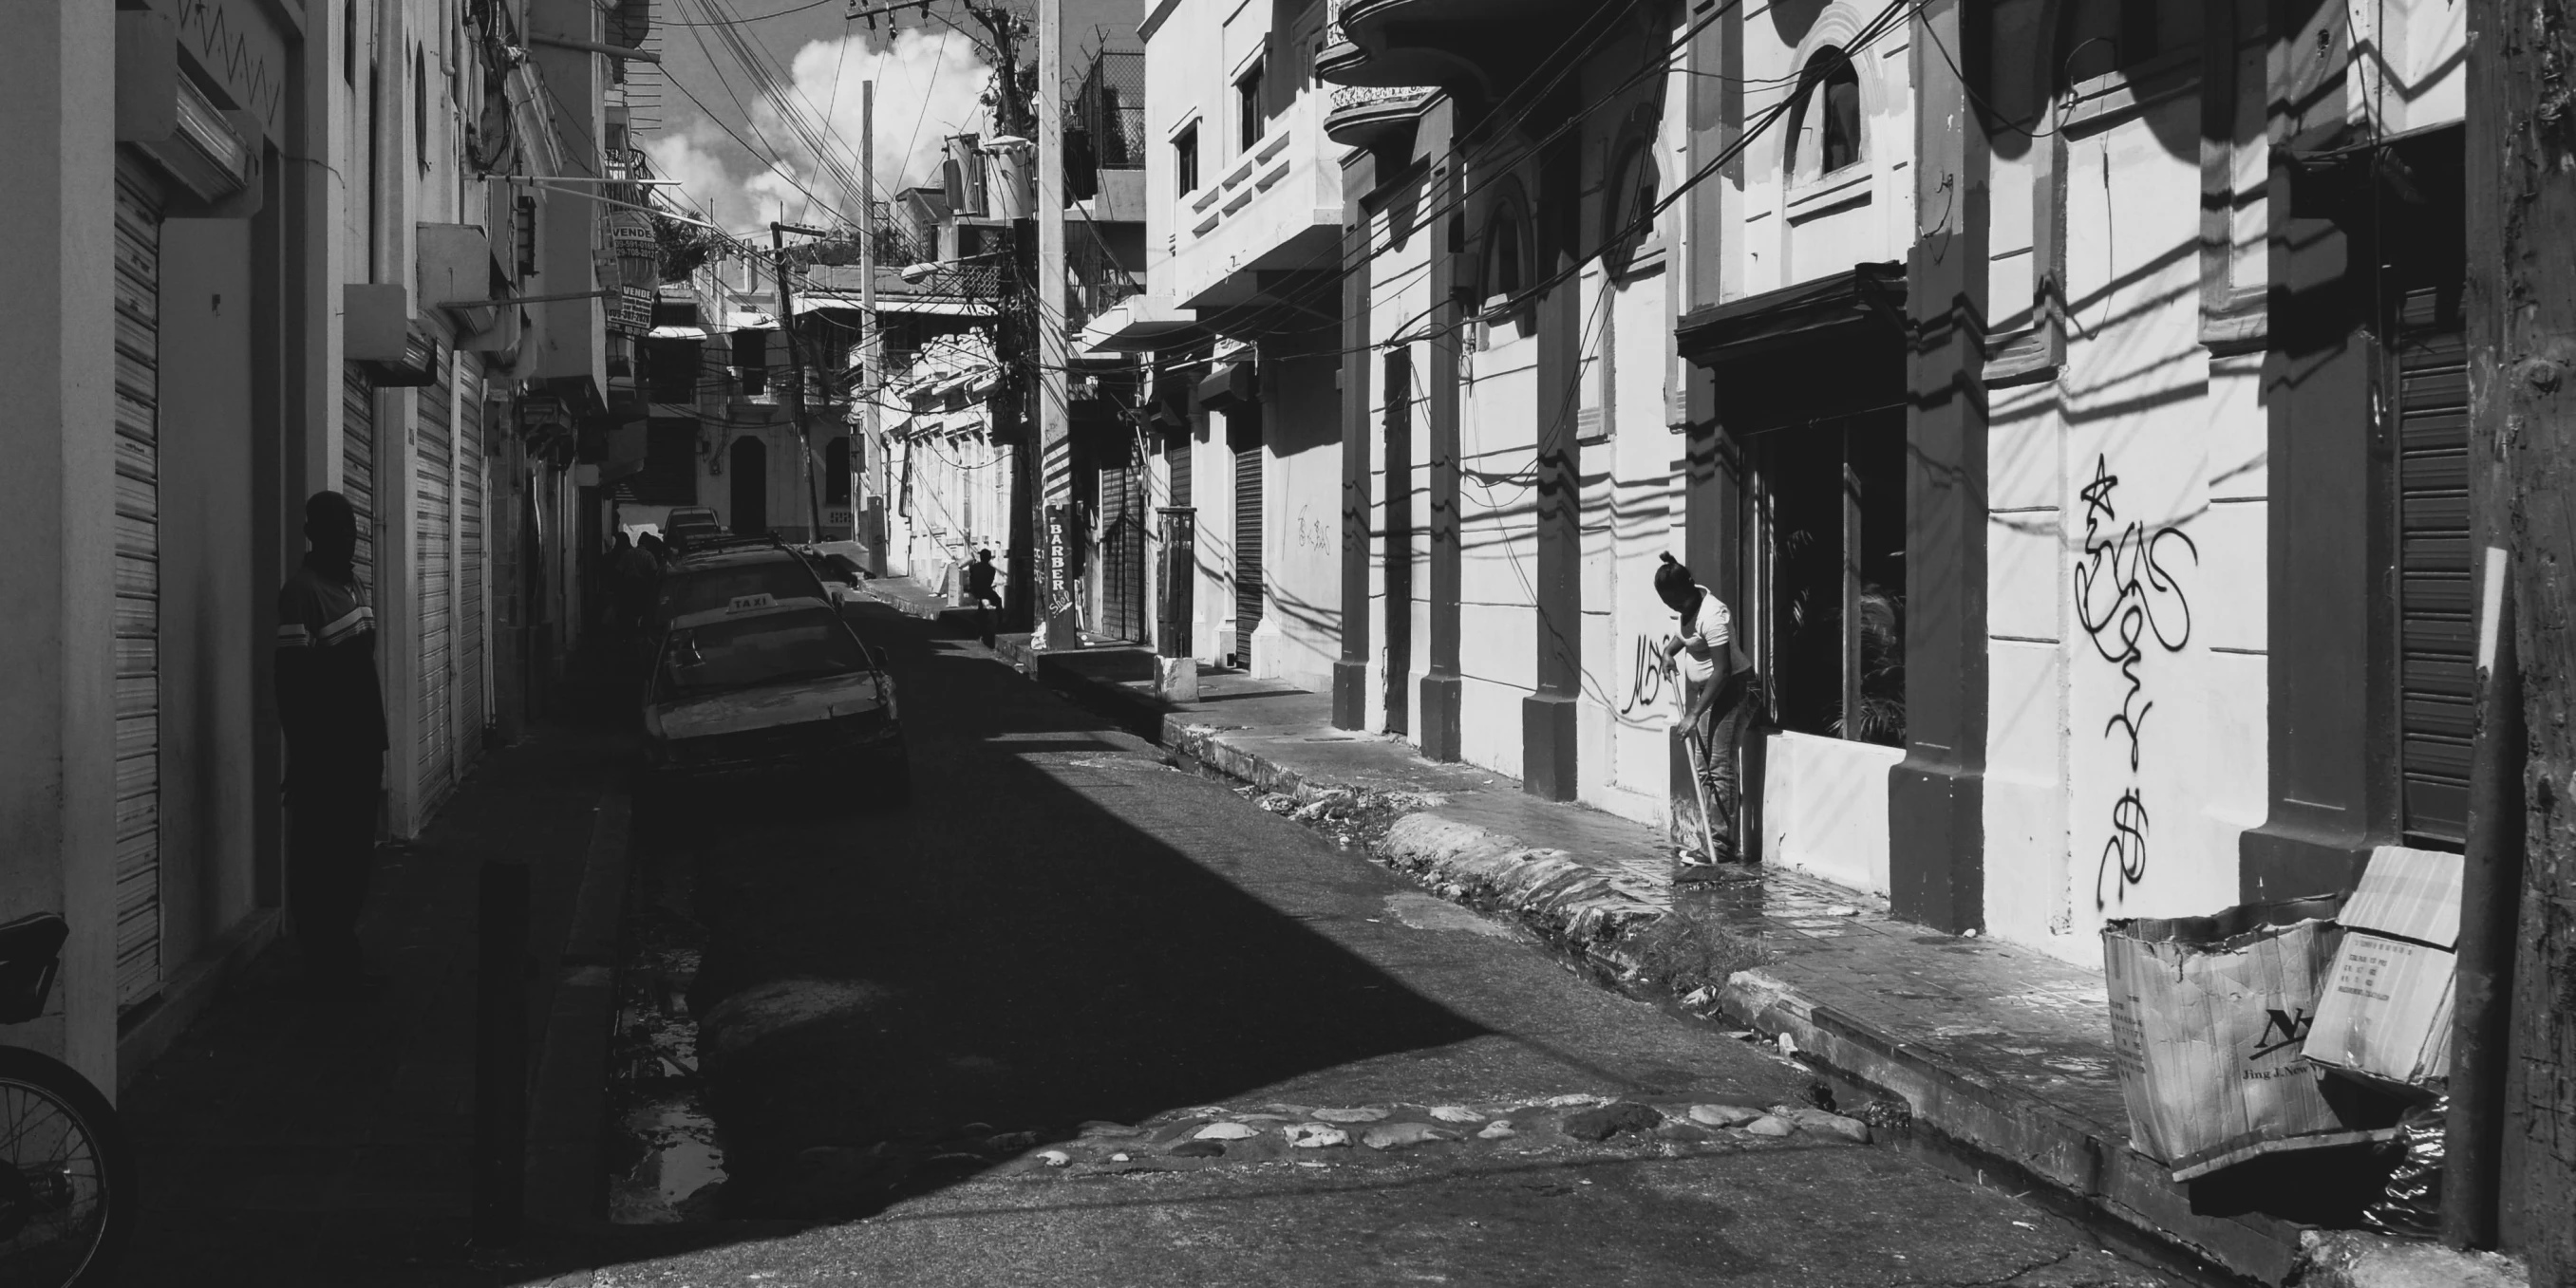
(1396, 555)
(1834, 498)
(750, 467)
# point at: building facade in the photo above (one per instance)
(266, 251)
(2067, 399)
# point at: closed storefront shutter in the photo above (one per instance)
(1122, 546)
(2436, 634)
(138, 587)
(472, 473)
(358, 463)
(433, 555)
(1244, 428)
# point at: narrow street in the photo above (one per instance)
(1067, 938)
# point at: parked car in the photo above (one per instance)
(716, 576)
(690, 525)
(770, 686)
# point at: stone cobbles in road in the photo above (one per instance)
(1365, 1135)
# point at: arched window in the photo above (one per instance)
(836, 472)
(2098, 37)
(1506, 267)
(1826, 131)
(1629, 204)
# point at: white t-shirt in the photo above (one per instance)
(1705, 637)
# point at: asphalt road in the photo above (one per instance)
(1063, 930)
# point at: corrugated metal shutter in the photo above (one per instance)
(2436, 633)
(1177, 456)
(1245, 431)
(358, 463)
(473, 465)
(1122, 546)
(433, 555)
(138, 586)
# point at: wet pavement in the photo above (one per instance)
(913, 1046)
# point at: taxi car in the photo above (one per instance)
(717, 577)
(769, 685)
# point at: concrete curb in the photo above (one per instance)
(1550, 891)
(567, 1108)
(1571, 905)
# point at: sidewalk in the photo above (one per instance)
(285, 1141)
(2002, 1054)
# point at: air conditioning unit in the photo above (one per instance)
(378, 333)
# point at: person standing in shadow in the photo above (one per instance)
(332, 708)
(979, 589)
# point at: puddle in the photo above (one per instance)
(1429, 912)
(670, 1166)
(681, 1161)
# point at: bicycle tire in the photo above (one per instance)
(52, 1082)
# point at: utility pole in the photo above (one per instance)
(2521, 307)
(1016, 317)
(868, 332)
(1050, 315)
(796, 375)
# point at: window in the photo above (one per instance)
(1505, 255)
(1185, 162)
(1826, 131)
(836, 472)
(420, 107)
(1251, 117)
(751, 360)
(1629, 206)
(1834, 501)
(2099, 37)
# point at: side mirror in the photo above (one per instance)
(878, 659)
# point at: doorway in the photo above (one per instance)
(750, 466)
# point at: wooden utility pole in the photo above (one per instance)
(868, 332)
(796, 377)
(2521, 194)
(1050, 315)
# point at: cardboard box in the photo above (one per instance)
(2208, 1015)
(2385, 1015)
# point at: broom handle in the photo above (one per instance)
(1699, 788)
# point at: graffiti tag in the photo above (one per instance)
(1649, 677)
(2126, 594)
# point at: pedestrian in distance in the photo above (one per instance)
(1714, 709)
(979, 588)
(331, 706)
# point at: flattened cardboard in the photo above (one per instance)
(2386, 1013)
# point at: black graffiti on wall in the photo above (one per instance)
(2126, 596)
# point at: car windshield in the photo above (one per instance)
(688, 591)
(773, 648)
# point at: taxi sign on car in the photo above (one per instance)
(745, 603)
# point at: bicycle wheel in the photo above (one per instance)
(67, 1203)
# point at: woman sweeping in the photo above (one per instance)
(1713, 708)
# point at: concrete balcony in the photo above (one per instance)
(1367, 116)
(1478, 47)
(1275, 208)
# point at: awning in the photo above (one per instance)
(676, 333)
(1139, 323)
(951, 307)
(1866, 296)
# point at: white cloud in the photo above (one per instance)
(929, 86)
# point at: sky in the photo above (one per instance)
(929, 81)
